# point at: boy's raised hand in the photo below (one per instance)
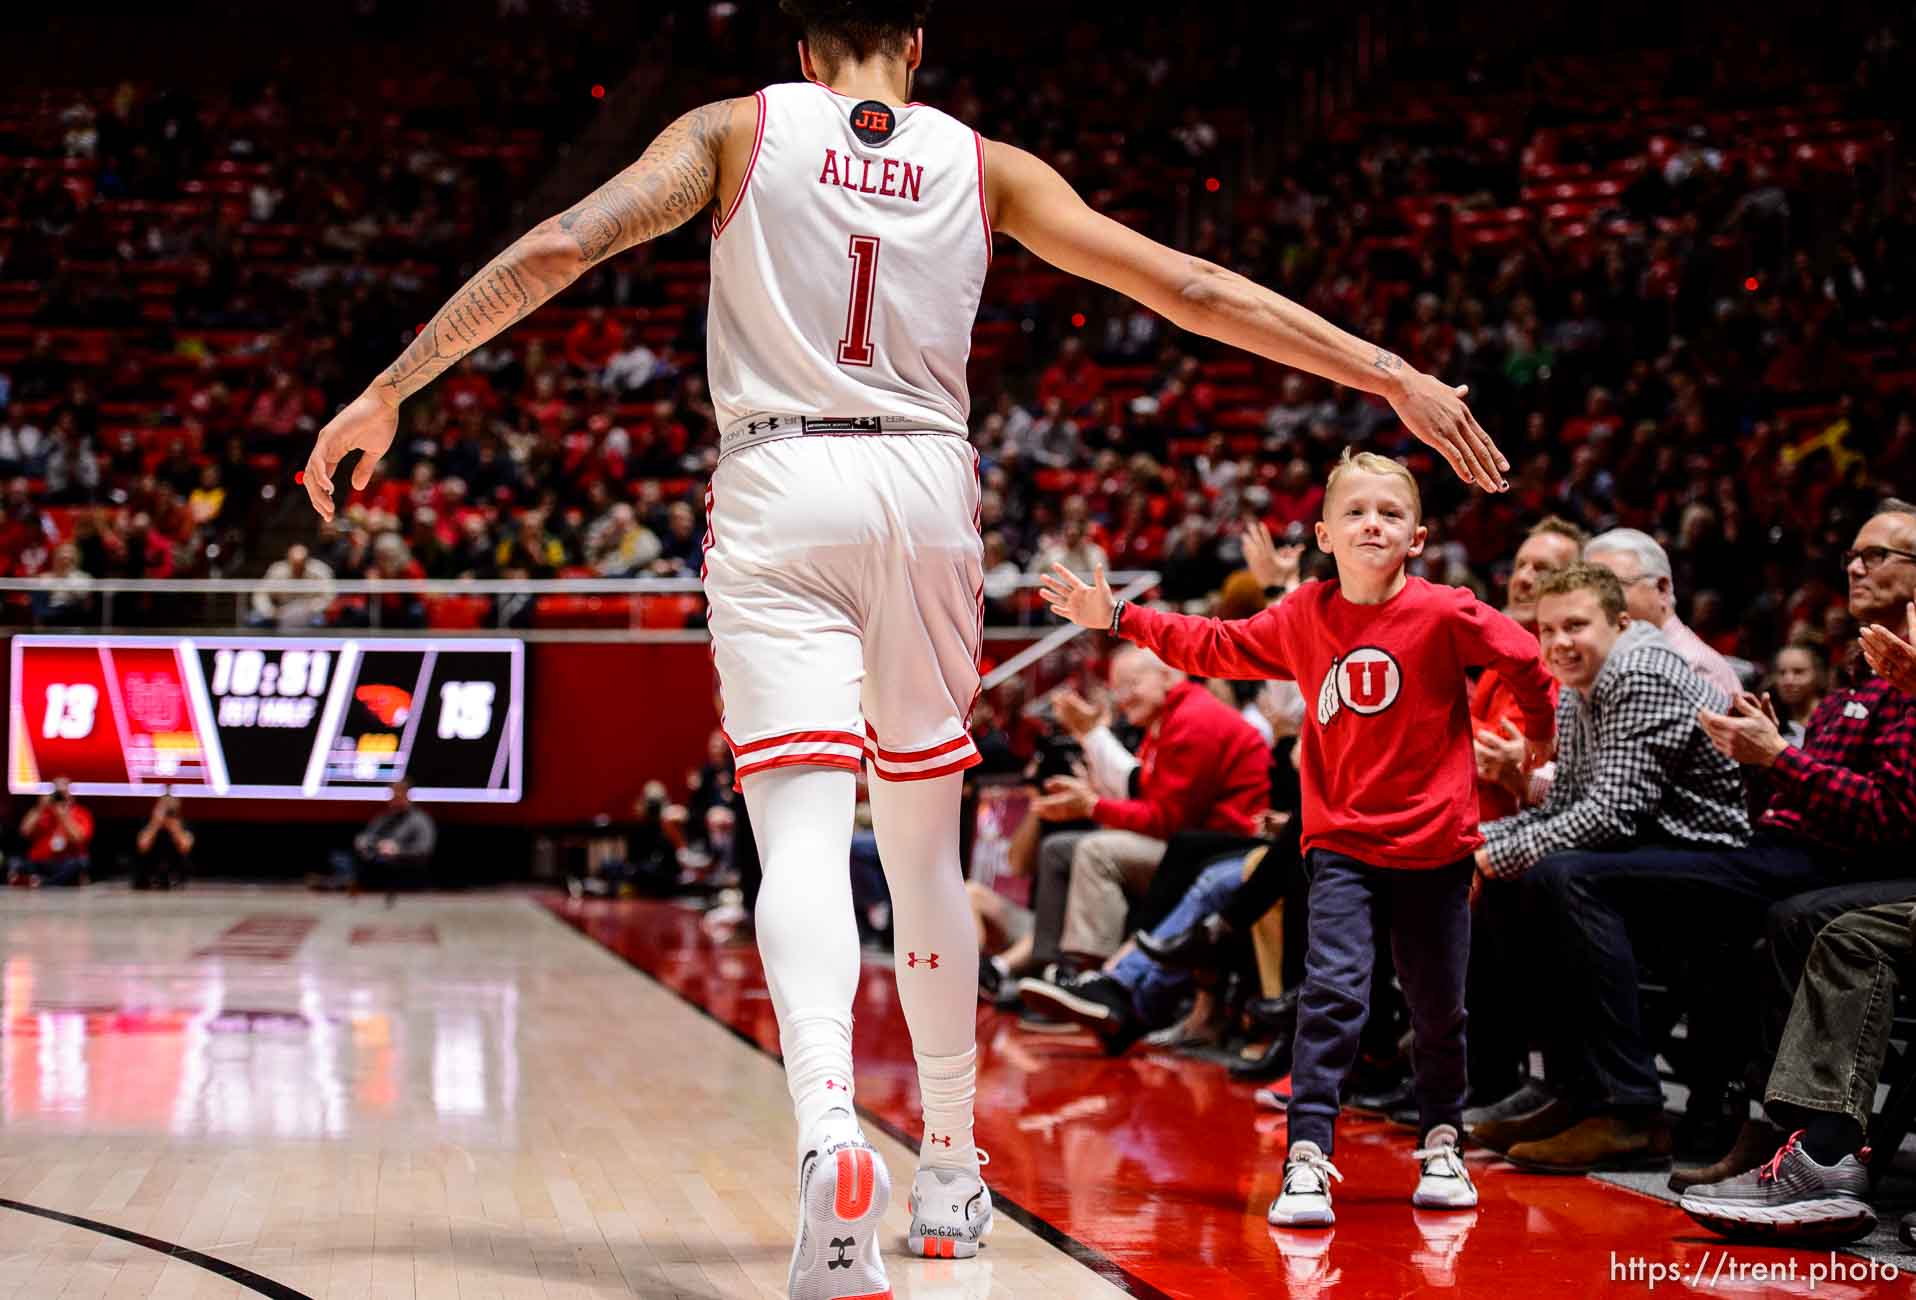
(1070, 598)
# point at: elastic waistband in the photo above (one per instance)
(769, 428)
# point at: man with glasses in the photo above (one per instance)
(1855, 774)
(1845, 798)
(1643, 567)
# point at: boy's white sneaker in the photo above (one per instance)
(1444, 1183)
(950, 1214)
(844, 1190)
(1305, 1201)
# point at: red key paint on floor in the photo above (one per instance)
(1165, 1166)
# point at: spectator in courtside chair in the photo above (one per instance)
(1815, 1188)
(1636, 777)
(1842, 800)
(1200, 767)
(649, 865)
(162, 851)
(397, 842)
(59, 836)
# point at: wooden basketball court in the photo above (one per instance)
(242, 1092)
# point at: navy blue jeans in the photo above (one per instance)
(1427, 914)
(1583, 907)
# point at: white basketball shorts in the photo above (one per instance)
(845, 580)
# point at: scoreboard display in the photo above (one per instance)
(268, 717)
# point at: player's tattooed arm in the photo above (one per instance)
(675, 179)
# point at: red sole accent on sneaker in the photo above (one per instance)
(855, 1184)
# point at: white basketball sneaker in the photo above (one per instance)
(1305, 1201)
(950, 1214)
(844, 1190)
(1444, 1183)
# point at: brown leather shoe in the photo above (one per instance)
(1756, 1142)
(1602, 1142)
(1548, 1120)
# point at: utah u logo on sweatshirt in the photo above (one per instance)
(1364, 681)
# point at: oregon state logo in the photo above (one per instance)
(1364, 681)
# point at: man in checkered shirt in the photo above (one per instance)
(1643, 806)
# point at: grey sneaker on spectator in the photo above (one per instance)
(1532, 1096)
(1791, 1196)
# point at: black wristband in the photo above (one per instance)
(1117, 615)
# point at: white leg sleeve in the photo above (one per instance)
(806, 935)
(936, 945)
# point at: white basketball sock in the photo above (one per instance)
(948, 1085)
(936, 946)
(806, 935)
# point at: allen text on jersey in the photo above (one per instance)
(889, 177)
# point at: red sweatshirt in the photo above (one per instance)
(1388, 773)
(1201, 768)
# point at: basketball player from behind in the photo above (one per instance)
(851, 234)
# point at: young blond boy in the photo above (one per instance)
(1390, 803)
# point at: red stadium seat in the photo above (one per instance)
(458, 613)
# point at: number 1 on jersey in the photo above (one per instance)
(855, 349)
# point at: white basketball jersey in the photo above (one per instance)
(846, 276)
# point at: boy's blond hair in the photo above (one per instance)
(1371, 463)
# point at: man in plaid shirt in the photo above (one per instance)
(1846, 798)
(1643, 805)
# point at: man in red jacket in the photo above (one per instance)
(1201, 767)
(1390, 799)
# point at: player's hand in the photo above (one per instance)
(1272, 565)
(1436, 414)
(366, 425)
(1892, 656)
(1070, 598)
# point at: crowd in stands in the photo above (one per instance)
(1645, 306)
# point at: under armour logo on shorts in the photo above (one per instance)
(912, 960)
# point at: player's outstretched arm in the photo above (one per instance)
(1037, 207)
(676, 178)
